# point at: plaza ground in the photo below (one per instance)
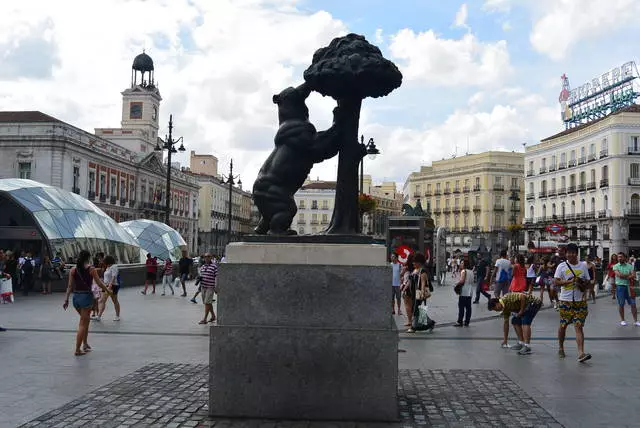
(160, 335)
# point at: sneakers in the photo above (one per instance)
(517, 347)
(555, 305)
(505, 346)
(193, 300)
(2, 328)
(96, 318)
(524, 351)
(144, 293)
(116, 318)
(623, 323)
(584, 357)
(637, 323)
(458, 324)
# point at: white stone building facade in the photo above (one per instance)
(315, 201)
(587, 179)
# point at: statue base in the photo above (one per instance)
(311, 239)
(304, 332)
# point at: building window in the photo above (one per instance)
(92, 181)
(123, 189)
(447, 187)
(553, 210)
(583, 152)
(572, 180)
(544, 162)
(325, 218)
(573, 207)
(635, 203)
(605, 172)
(583, 178)
(314, 205)
(573, 155)
(544, 186)
(605, 202)
(553, 184)
(553, 161)
(24, 170)
(477, 181)
(456, 203)
(113, 187)
(132, 191)
(514, 183)
(563, 183)
(437, 187)
(103, 184)
(604, 146)
(635, 170)
(563, 210)
(583, 207)
(634, 144)
(592, 149)
(593, 205)
(544, 211)
(301, 217)
(530, 165)
(76, 177)
(325, 205)
(478, 201)
(135, 110)
(301, 204)
(593, 175)
(437, 204)
(301, 231)
(531, 188)
(531, 212)
(497, 179)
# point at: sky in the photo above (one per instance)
(477, 75)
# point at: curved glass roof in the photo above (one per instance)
(156, 238)
(70, 222)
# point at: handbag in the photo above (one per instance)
(458, 288)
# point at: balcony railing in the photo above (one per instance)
(543, 169)
(314, 222)
(605, 236)
(477, 208)
(562, 191)
(91, 195)
(602, 214)
(552, 193)
(634, 150)
(465, 209)
(103, 197)
(542, 194)
(456, 210)
(604, 153)
(634, 181)
(446, 210)
(582, 187)
(132, 203)
(531, 196)
(591, 185)
(571, 189)
(113, 199)
(582, 160)
(541, 219)
(590, 215)
(302, 221)
(427, 194)
(514, 189)
(437, 192)
(530, 172)
(552, 168)
(416, 194)
(123, 202)
(591, 157)
(437, 211)
(562, 165)
(498, 187)
(466, 189)
(634, 212)
(498, 207)
(447, 191)
(604, 183)
(456, 190)
(572, 163)
(476, 188)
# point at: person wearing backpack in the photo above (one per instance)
(27, 273)
(503, 278)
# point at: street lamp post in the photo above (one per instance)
(168, 146)
(230, 180)
(371, 151)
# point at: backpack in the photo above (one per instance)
(27, 267)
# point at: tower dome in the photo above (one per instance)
(142, 62)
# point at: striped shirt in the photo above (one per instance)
(168, 267)
(209, 273)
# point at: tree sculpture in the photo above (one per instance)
(349, 70)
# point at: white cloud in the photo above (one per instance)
(498, 5)
(564, 23)
(506, 26)
(450, 62)
(379, 37)
(461, 17)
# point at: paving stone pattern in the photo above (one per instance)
(175, 395)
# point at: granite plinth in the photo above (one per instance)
(304, 332)
(310, 239)
(302, 373)
(309, 295)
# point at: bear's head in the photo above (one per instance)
(291, 103)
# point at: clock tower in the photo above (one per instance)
(141, 102)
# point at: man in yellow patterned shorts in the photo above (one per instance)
(573, 303)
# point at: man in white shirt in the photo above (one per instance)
(573, 302)
(503, 277)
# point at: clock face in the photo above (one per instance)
(135, 110)
(154, 113)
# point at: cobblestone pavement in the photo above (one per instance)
(175, 395)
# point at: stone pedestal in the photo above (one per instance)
(304, 332)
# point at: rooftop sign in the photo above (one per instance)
(600, 96)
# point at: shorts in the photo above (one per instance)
(395, 293)
(115, 289)
(184, 276)
(528, 315)
(573, 313)
(622, 295)
(83, 300)
(151, 276)
(207, 295)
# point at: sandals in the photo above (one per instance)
(79, 353)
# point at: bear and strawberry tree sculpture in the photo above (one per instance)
(348, 70)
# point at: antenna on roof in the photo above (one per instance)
(467, 146)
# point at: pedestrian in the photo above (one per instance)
(519, 279)
(4, 275)
(482, 276)
(199, 279)
(465, 286)
(184, 269)
(395, 285)
(503, 266)
(209, 276)
(421, 291)
(27, 268)
(405, 288)
(592, 283)
(532, 273)
(152, 269)
(46, 269)
(80, 280)
(624, 274)
(524, 308)
(167, 276)
(572, 275)
(112, 281)
(611, 275)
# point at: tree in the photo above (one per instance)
(349, 70)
